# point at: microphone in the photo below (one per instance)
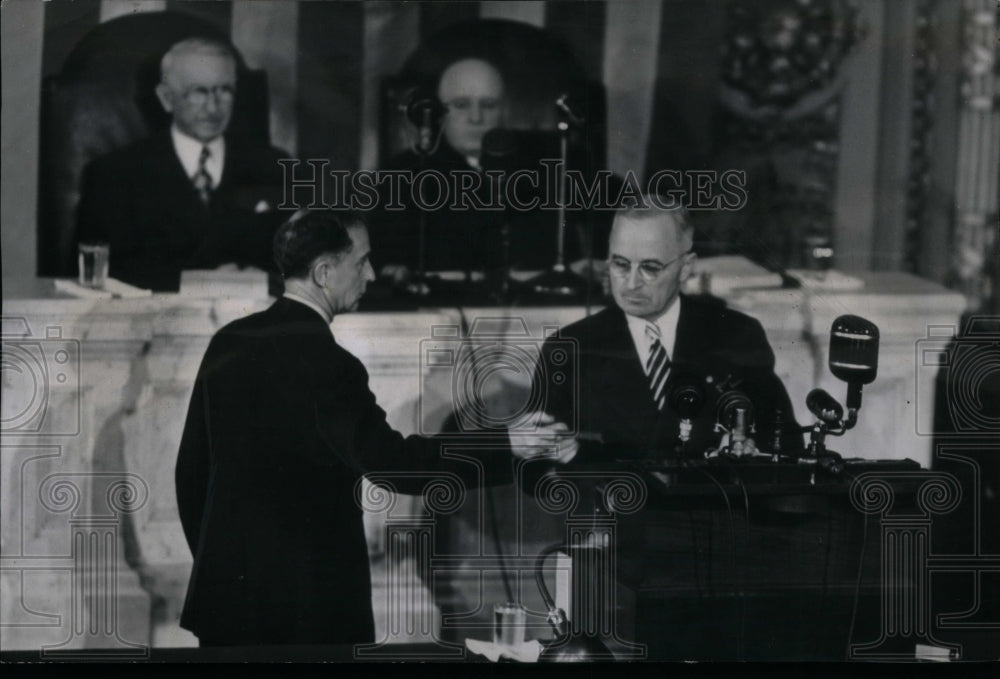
(854, 355)
(564, 104)
(734, 413)
(686, 397)
(824, 406)
(425, 111)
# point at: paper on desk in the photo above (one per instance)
(113, 289)
(828, 281)
(526, 652)
(721, 275)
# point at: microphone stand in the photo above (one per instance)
(559, 281)
(418, 285)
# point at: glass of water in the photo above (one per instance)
(93, 264)
(509, 621)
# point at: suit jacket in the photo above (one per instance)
(140, 201)
(607, 391)
(281, 427)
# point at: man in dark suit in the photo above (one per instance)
(187, 197)
(281, 428)
(630, 355)
(472, 94)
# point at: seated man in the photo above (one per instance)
(460, 237)
(630, 354)
(472, 92)
(187, 197)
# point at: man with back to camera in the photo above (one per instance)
(281, 427)
(629, 354)
(190, 197)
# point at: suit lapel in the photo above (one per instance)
(622, 380)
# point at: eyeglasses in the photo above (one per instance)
(198, 96)
(649, 269)
(465, 103)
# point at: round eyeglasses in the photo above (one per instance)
(198, 96)
(649, 269)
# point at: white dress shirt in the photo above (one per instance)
(188, 150)
(667, 324)
(312, 305)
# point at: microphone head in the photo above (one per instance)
(686, 396)
(424, 108)
(824, 406)
(567, 107)
(854, 349)
(729, 402)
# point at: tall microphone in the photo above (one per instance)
(854, 355)
(425, 111)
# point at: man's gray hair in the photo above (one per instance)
(651, 207)
(196, 45)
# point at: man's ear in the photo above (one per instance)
(318, 273)
(687, 266)
(165, 96)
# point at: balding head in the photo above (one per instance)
(473, 92)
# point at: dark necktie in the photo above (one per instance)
(202, 179)
(657, 366)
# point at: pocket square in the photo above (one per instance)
(261, 206)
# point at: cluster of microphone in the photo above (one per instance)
(853, 358)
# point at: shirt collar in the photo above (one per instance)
(312, 305)
(188, 150)
(667, 324)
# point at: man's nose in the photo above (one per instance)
(476, 113)
(369, 272)
(212, 101)
(633, 280)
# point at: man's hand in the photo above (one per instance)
(541, 437)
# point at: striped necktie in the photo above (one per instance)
(202, 180)
(657, 366)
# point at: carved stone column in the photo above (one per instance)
(906, 615)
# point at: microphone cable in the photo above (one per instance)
(857, 584)
(732, 531)
(746, 535)
(491, 508)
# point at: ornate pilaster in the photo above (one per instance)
(94, 558)
(906, 615)
(409, 539)
(591, 541)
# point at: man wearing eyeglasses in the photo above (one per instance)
(629, 355)
(190, 197)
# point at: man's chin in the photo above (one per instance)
(207, 134)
